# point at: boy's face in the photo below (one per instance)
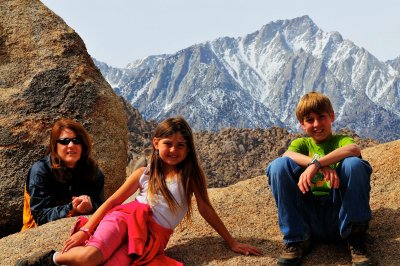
(318, 126)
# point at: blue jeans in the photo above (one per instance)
(328, 218)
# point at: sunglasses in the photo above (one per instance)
(66, 141)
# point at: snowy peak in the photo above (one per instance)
(256, 81)
(395, 63)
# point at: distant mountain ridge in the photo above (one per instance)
(257, 81)
(395, 63)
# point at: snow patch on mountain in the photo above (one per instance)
(257, 80)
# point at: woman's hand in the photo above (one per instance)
(244, 249)
(75, 240)
(82, 204)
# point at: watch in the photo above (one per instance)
(316, 162)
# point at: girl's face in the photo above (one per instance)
(172, 149)
(69, 153)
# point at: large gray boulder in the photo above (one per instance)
(45, 74)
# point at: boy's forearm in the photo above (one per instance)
(299, 158)
(332, 157)
(339, 154)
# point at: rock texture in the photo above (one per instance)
(45, 74)
(232, 154)
(248, 210)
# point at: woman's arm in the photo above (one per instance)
(97, 192)
(209, 214)
(125, 191)
(40, 187)
(92, 197)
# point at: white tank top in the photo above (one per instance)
(162, 214)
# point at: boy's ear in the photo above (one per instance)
(301, 124)
(332, 116)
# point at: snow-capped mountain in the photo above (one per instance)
(257, 81)
(395, 63)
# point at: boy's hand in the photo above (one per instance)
(305, 178)
(331, 175)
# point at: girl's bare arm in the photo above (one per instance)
(212, 218)
(125, 191)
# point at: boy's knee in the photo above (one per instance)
(356, 164)
(277, 166)
(355, 172)
(352, 162)
(280, 171)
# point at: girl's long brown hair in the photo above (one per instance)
(85, 163)
(192, 174)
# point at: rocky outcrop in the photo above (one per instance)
(45, 74)
(233, 154)
(140, 133)
(249, 212)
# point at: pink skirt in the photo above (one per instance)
(128, 235)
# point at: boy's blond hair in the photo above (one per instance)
(313, 102)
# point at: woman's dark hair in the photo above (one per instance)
(86, 164)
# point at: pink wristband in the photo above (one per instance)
(86, 230)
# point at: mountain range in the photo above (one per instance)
(256, 81)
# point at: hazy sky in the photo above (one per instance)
(119, 31)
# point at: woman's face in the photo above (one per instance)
(69, 153)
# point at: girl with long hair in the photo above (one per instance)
(136, 233)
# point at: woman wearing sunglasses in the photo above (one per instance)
(67, 182)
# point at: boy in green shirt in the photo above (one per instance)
(321, 186)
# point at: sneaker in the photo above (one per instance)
(294, 252)
(358, 250)
(37, 259)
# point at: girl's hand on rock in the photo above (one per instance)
(76, 239)
(245, 249)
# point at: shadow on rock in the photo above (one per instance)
(205, 250)
(385, 232)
